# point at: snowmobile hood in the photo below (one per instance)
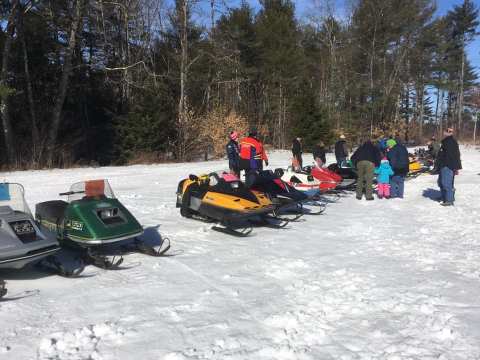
(100, 220)
(22, 242)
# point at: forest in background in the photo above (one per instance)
(124, 81)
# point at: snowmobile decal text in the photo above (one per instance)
(75, 225)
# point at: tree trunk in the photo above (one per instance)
(63, 85)
(36, 147)
(460, 92)
(4, 108)
(183, 79)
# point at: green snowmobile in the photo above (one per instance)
(97, 223)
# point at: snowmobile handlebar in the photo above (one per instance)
(68, 193)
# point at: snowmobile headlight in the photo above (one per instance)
(107, 213)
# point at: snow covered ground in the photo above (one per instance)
(388, 279)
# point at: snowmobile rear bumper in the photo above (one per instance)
(18, 262)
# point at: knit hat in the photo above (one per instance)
(234, 135)
(342, 137)
(391, 143)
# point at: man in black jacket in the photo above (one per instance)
(365, 159)
(297, 151)
(341, 150)
(448, 164)
(398, 157)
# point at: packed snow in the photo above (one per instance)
(388, 279)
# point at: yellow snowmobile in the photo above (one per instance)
(224, 200)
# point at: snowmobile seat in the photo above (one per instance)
(51, 211)
(5, 210)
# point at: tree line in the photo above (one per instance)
(118, 81)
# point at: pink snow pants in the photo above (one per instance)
(383, 190)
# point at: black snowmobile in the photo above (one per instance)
(348, 174)
(284, 196)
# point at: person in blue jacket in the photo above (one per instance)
(233, 151)
(398, 157)
(384, 171)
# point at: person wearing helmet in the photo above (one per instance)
(252, 152)
(341, 150)
(233, 151)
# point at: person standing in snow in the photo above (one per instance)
(252, 153)
(384, 171)
(233, 151)
(297, 153)
(319, 154)
(341, 150)
(449, 163)
(398, 157)
(366, 158)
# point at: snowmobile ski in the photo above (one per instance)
(54, 264)
(106, 262)
(141, 247)
(265, 222)
(20, 295)
(239, 232)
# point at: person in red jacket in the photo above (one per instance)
(252, 153)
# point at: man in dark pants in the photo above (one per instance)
(366, 159)
(398, 157)
(341, 150)
(448, 164)
(233, 151)
(297, 151)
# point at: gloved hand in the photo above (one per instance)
(266, 162)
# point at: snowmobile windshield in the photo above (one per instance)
(12, 198)
(90, 189)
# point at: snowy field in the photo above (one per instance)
(388, 279)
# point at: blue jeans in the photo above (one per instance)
(397, 186)
(445, 183)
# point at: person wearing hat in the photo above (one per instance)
(341, 150)
(297, 152)
(449, 163)
(233, 151)
(366, 158)
(397, 155)
(252, 152)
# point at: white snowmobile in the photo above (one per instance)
(21, 241)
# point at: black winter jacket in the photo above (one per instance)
(398, 158)
(319, 152)
(296, 148)
(367, 152)
(341, 150)
(449, 154)
(232, 153)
